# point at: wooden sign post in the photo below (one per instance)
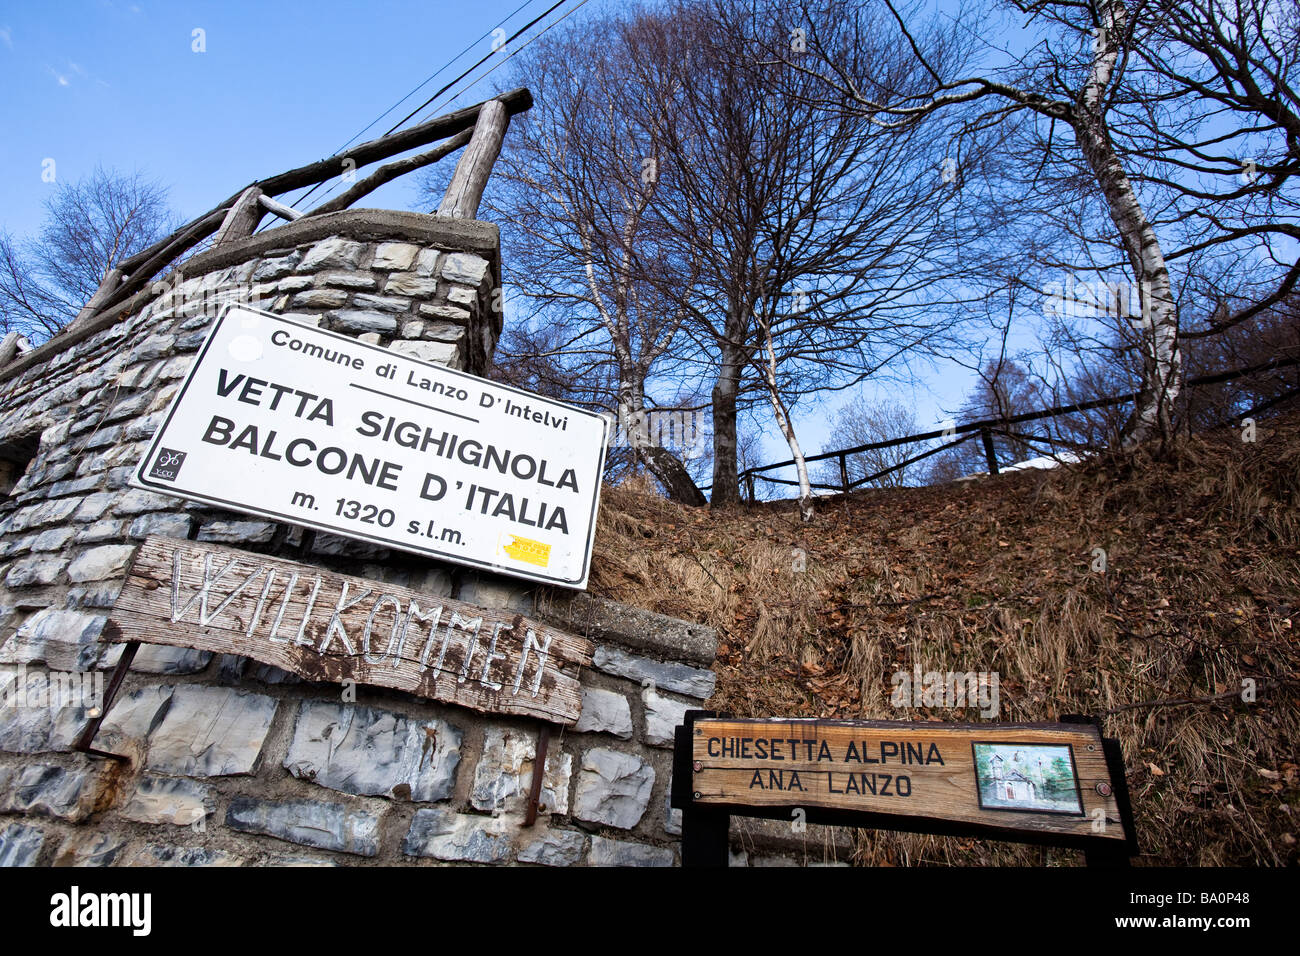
(332, 627)
(1059, 784)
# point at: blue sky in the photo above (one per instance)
(279, 84)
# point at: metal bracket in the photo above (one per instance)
(539, 771)
(87, 736)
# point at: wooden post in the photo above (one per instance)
(112, 279)
(475, 166)
(9, 348)
(243, 217)
(705, 831)
(989, 453)
(280, 209)
(844, 474)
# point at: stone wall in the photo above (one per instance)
(234, 762)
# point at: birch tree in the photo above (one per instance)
(577, 189)
(1068, 80)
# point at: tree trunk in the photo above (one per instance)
(806, 511)
(672, 474)
(726, 480)
(660, 462)
(1159, 322)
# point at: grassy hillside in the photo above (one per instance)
(1201, 590)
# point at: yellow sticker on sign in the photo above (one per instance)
(526, 549)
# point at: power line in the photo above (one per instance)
(426, 82)
(479, 79)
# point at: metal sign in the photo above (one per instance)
(313, 428)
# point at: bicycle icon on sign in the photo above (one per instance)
(167, 464)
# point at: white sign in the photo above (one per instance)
(317, 429)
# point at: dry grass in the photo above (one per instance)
(1202, 590)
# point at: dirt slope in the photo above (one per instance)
(1201, 591)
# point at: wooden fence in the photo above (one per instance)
(987, 428)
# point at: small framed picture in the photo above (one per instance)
(1039, 778)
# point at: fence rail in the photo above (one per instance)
(987, 428)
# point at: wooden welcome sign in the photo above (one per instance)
(332, 627)
(1061, 784)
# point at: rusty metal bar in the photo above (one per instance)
(84, 741)
(539, 771)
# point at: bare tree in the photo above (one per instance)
(818, 235)
(577, 190)
(863, 422)
(103, 218)
(1069, 80)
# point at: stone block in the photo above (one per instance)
(90, 849)
(363, 320)
(464, 268)
(160, 522)
(173, 800)
(326, 826)
(210, 732)
(426, 262)
(446, 835)
(164, 854)
(410, 284)
(332, 253)
(606, 852)
(504, 774)
(35, 571)
(554, 848)
(53, 540)
(51, 791)
(319, 299)
(277, 267)
(20, 845)
(613, 788)
(384, 303)
(604, 712)
(160, 659)
(373, 752)
(671, 676)
(662, 717)
(394, 256)
(439, 353)
(348, 280)
(107, 561)
(237, 532)
(64, 639)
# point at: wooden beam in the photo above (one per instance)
(112, 279)
(241, 222)
(440, 127)
(178, 245)
(475, 166)
(390, 172)
(330, 627)
(278, 208)
(144, 265)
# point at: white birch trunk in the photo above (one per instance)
(806, 511)
(1158, 328)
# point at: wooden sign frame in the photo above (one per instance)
(706, 818)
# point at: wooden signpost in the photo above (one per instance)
(333, 627)
(1060, 784)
